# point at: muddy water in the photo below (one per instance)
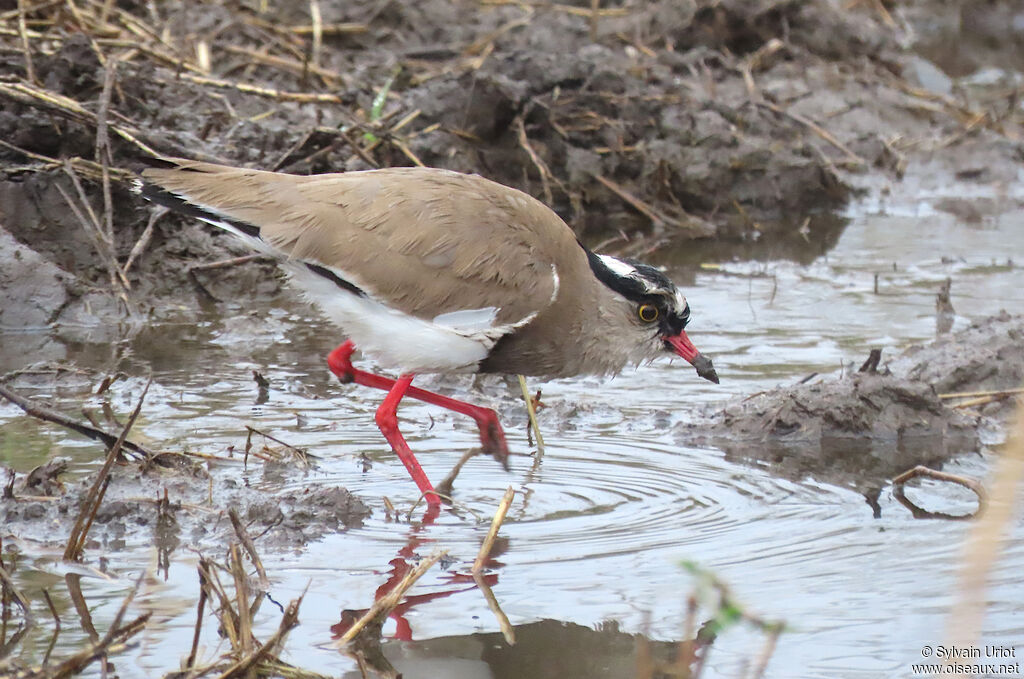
(594, 541)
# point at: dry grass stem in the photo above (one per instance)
(285, 64)
(492, 533)
(531, 413)
(545, 173)
(26, 49)
(80, 529)
(269, 92)
(250, 547)
(656, 218)
(817, 129)
(318, 33)
(986, 540)
(147, 235)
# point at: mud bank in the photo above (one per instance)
(861, 429)
(642, 123)
(174, 502)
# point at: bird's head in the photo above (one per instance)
(656, 305)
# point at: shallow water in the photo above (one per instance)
(593, 544)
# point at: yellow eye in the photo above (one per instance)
(648, 313)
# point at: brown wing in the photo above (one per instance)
(425, 241)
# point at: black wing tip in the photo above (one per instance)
(335, 278)
(173, 201)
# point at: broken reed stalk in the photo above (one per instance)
(26, 49)
(104, 155)
(289, 620)
(387, 603)
(80, 531)
(492, 533)
(249, 546)
(986, 539)
(245, 636)
(225, 611)
(531, 413)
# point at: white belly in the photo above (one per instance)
(395, 340)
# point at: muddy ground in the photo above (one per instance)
(739, 127)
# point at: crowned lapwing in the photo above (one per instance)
(433, 271)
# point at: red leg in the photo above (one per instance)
(491, 435)
(387, 420)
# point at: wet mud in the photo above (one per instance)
(39, 507)
(861, 429)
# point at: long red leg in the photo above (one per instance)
(387, 420)
(491, 435)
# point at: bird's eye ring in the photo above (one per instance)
(648, 313)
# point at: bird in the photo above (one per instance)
(428, 270)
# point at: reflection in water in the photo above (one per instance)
(365, 648)
(548, 649)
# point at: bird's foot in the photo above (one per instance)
(492, 436)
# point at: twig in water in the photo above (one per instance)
(492, 533)
(101, 647)
(444, 488)
(531, 412)
(56, 626)
(41, 412)
(921, 470)
(199, 617)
